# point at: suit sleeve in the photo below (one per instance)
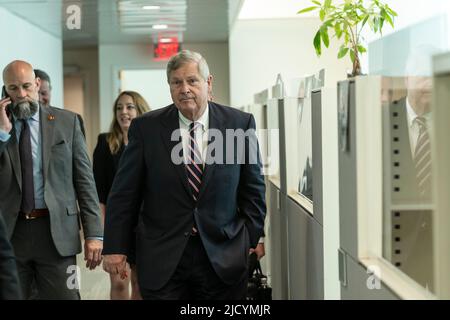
(251, 193)
(4, 139)
(9, 280)
(125, 197)
(84, 183)
(83, 131)
(100, 167)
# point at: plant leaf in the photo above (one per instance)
(317, 44)
(361, 49)
(324, 35)
(322, 14)
(365, 20)
(371, 24)
(307, 9)
(352, 55)
(346, 38)
(317, 2)
(329, 23)
(342, 52)
(338, 30)
(389, 19)
(391, 12)
(327, 3)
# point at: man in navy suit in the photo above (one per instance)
(201, 188)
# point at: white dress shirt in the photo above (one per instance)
(201, 136)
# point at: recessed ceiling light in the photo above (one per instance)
(160, 26)
(151, 7)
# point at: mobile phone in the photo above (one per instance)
(4, 93)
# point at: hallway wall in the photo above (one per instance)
(260, 49)
(85, 61)
(114, 58)
(22, 40)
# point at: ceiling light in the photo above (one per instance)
(151, 7)
(160, 26)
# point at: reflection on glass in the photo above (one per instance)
(273, 125)
(408, 233)
(305, 185)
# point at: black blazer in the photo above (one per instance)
(229, 213)
(105, 166)
(9, 280)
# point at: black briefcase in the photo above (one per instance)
(257, 289)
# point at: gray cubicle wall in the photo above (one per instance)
(353, 275)
(278, 225)
(305, 237)
(347, 182)
(278, 244)
(304, 230)
(359, 281)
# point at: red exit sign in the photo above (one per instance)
(165, 49)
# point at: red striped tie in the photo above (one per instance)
(194, 165)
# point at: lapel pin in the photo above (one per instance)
(51, 117)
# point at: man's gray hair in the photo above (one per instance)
(186, 56)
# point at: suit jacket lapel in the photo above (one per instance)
(13, 150)
(208, 171)
(47, 121)
(171, 123)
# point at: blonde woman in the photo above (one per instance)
(107, 153)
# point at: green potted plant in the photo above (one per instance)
(347, 20)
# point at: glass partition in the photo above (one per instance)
(273, 146)
(305, 160)
(404, 61)
(406, 98)
(407, 165)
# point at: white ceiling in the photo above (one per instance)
(268, 9)
(190, 20)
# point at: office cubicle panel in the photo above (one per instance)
(317, 143)
(257, 110)
(441, 172)
(272, 166)
(295, 151)
(326, 189)
(278, 244)
(274, 235)
(361, 284)
(360, 171)
(305, 241)
(347, 174)
(305, 155)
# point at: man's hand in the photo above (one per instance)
(93, 253)
(5, 123)
(115, 264)
(259, 250)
